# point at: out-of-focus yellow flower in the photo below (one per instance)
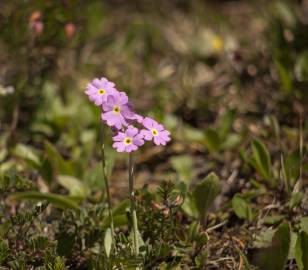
(217, 43)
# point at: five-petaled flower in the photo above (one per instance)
(99, 89)
(117, 110)
(155, 131)
(128, 141)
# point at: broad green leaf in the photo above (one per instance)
(55, 199)
(304, 224)
(205, 193)
(264, 239)
(292, 165)
(225, 123)
(183, 165)
(273, 220)
(121, 207)
(108, 242)
(301, 66)
(189, 206)
(275, 256)
(285, 77)
(212, 140)
(119, 215)
(74, 186)
(242, 207)
(60, 166)
(120, 220)
(28, 154)
(192, 134)
(231, 141)
(301, 251)
(261, 159)
(296, 199)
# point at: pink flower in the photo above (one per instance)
(35, 23)
(37, 27)
(70, 29)
(99, 89)
(155, 132)
(117, 110)
(137, 118)
(128, 141)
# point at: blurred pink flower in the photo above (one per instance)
(35, 23)
(70, 29)
(36, 27)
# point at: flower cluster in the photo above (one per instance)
(117, 113)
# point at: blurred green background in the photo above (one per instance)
(216, 73)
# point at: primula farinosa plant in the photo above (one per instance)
(131, 130)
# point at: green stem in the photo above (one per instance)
(105, 178)
(132, 203)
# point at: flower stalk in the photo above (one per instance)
(132, 203)
(106, 183)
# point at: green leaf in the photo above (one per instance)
(304, 224)
(275, 256)
(264, 239)
(59, 201)
(189, 206)
(273, 220)
(231, 141)
(296, 199)
(192, 134)
(60, 166)
(261, 159)
(108, 242)
(183, 165)
(75, 187)
(301, 66)
(205, 193)
(301, 251)
(121, 207)
(119, 215)
(225, 123)
(28, 154)
(212, 140)
(241, 207)
(285, 77)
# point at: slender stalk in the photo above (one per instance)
(300, 152)
(132, 203)
(105, 178)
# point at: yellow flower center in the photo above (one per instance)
(127, 140)
(154, 132)
(101, 91)
(116, 109)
